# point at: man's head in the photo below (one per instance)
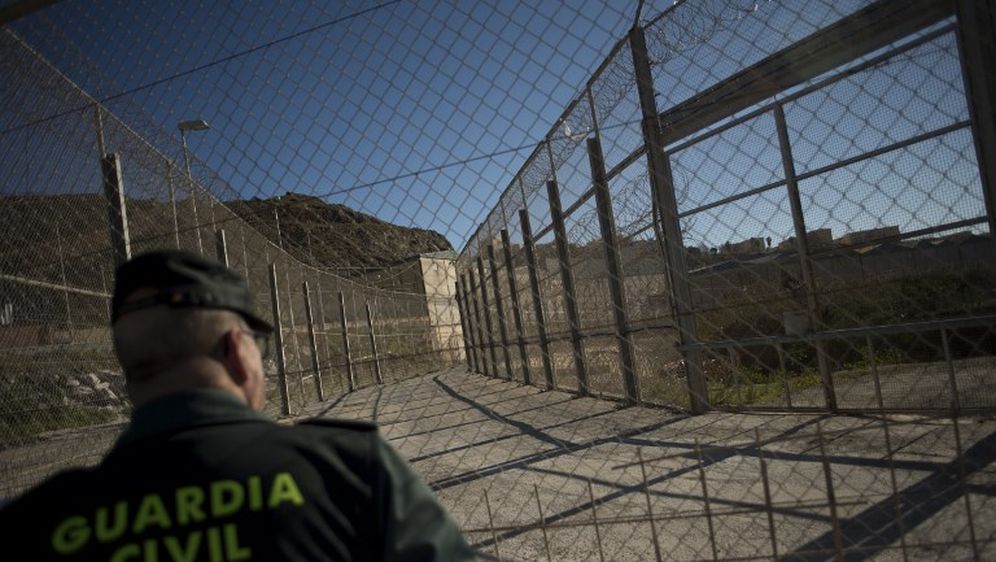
(182, 321)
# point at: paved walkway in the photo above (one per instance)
(484, 443)
(500, 454)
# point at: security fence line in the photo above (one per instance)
(333, 335)
(752, 326)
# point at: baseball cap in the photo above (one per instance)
(178, 279)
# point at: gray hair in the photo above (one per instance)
(150, 341)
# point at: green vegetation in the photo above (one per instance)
(760, 388)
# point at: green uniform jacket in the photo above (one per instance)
(198, 476)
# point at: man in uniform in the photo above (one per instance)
(200, 473)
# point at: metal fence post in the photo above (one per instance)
(117, 209)
(607, 223)
(324, 325)
(513, 291)
(278, 334)
(65, 281)
(802, 245)
(977, 50)
(293, 333)
(373, 343)
(350, 376)
(193, 212)
(98, 123)
(527, 242)
(500, 309)
(316, 367)
(172, 202)
(485, 311)
(221, 246)
(464, 327)
(567, 279)
(475, 318)
(245, 252)
(662, 185)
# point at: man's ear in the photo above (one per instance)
(236, 354)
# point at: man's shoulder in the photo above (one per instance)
(356, 426)
(58, 488)
(359, 437)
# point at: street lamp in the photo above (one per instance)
(185, 126)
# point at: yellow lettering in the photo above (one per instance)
(189, 501)
(214, 545)
(125, 552)
(151, 553)
(105, 533)
(285, 490)
(255, 493)
(222, 505)
(189, 551)
(232, 549)
(151, 512)
(70, 535)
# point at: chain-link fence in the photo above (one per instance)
(756, 206)
(86, 191)
(761, 212)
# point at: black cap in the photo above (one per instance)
(182, 279)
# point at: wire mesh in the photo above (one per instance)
(718, 207)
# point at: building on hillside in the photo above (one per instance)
(819, 238)
(748, 246)
(876, 235)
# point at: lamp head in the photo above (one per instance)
(195, 125)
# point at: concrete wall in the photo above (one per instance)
(439, 279)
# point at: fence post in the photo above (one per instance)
(527, 242)
(567, 279)
(278, 334)
(245, 251)
(117, 209)
(65, 282)
(473, 321)
(465, 330)
(976, 45)
(193, 212)
(485, 311)
(98, 123)
(802, 245)
(500, 309)
(488, 368)
(293, 333)
(172, 203)
(350, 376)
(607, 223)
(221, 246)
(325, 327)
(373, 344)
(316, 367)
(664, 201)
(516, 313)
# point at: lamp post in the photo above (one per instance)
(185, 126)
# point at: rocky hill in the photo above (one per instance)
(36, 230)
(334, 235)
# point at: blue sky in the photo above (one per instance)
(401, 88)
(421, 113)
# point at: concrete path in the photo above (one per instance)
(489, 444)
(534, 475)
